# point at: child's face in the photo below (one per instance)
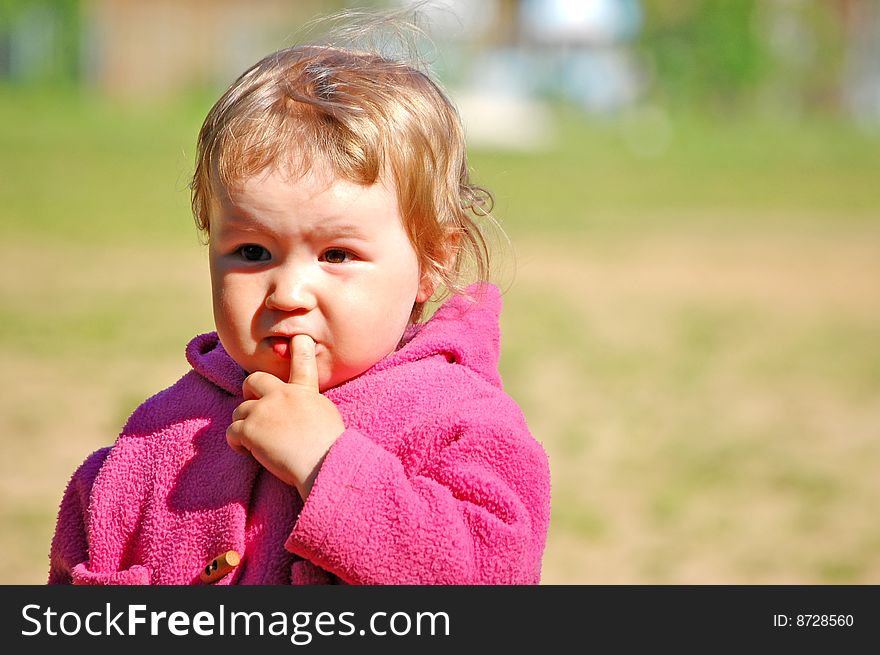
(314, 255)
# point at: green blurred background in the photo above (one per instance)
(692, 308)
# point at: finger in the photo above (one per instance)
(303, 366)
(258, 384)
(233, 438)
(241, 412)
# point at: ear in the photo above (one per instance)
(431, 279)
(427, 287)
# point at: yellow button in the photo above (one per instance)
(219, 566)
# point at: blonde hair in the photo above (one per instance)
(365, 116)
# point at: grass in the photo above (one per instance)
(692, 334)
(742, 175)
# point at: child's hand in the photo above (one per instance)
(287, 426)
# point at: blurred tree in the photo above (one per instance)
(40, 40)
(775, 55)
(703, 52)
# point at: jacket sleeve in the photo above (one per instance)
(70, 543)
(474, 511)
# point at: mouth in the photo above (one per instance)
(280, 345)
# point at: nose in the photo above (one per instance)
(291, 289)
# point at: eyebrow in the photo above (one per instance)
(344, 230)
(330, 229)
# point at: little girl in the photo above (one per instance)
(325, 434)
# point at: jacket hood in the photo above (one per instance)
(464, 329)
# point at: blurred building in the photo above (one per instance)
(569, 49)
(145, 48)
(161, 47)
(791, 56)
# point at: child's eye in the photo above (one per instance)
(337, 256)
(253, 253)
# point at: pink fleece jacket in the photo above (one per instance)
(435, 480)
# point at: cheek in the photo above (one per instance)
(236, 302)
(218, 287)
(404, 281)
(223, 299)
